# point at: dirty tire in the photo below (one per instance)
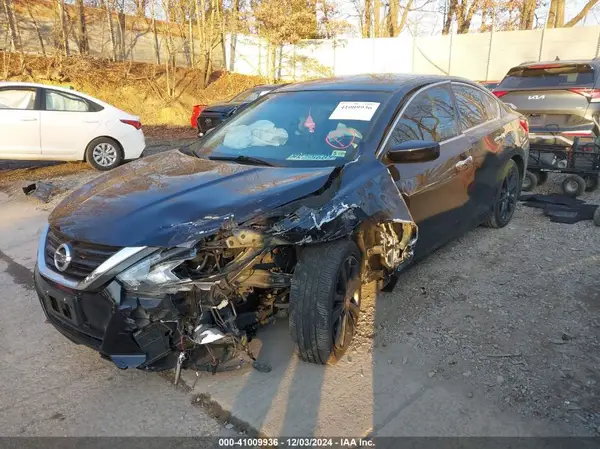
(318, 288)
(597, 216)
(542, 177)
(573, 185)
(591, 183)
(507, 196)
(104, 154)
(530, 181)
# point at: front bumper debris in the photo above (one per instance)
(100, 321)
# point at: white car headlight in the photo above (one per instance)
(156, 271)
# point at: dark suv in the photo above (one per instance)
(561, 99)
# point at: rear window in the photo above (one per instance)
(549, 75)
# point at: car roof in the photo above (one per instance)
(594, 62)
(387, 82)
(63, 89)
(37, 85)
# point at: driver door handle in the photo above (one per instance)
(464, 164)
(29, 119)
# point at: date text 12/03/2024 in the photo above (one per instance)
(296, 442)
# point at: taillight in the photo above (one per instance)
(135, 123)
(593, 95)
(524, 124)
(499, 93)
(196, 111)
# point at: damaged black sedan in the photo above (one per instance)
(176, 260)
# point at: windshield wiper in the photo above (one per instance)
(242, 160)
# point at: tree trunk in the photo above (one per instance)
(392, 18)
(37, 28)
(111, 30)
(377, 18)
(12, 25)
(551, 21)
(121, 27)
(527, 14)
(560, 14)
(83, 42)
(140, 7)
(404, 18)
(235, 28)
(63, 26)
(585, 10)
(155, 36)
(452, 10)
(465, 23)
(368, 13)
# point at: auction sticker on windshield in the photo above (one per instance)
(354, 110)
(311, 157)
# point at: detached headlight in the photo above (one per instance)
(156, 271)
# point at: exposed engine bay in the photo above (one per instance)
(224, 289)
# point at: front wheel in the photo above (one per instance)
(325, 301)
(505, 202)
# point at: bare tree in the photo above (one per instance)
(64, 34)
(111, 31)
(368, 18)
(82, 37)
(37, 28)
(584, 11)
(15, 43)
(395, 23)
(463, 12)
(527, 14)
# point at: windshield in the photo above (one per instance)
(307, 128)
(249, 95)
(549, 75)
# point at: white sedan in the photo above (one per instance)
(43, 122)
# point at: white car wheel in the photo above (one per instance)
(104, 154)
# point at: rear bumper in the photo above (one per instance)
(133, 144)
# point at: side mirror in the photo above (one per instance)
(510, 105)
(414, 151)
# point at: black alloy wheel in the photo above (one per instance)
(505, 203)
(325, 298)
(346, 304)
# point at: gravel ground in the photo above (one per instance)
(515, 311)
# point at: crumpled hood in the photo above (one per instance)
(173, 198)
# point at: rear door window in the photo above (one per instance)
(429, 116)
(17, 99)
(541, 76)
(475, 107)
(60, 101)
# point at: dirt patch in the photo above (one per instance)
(162, 134)
(514, 312)
(36, 171)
